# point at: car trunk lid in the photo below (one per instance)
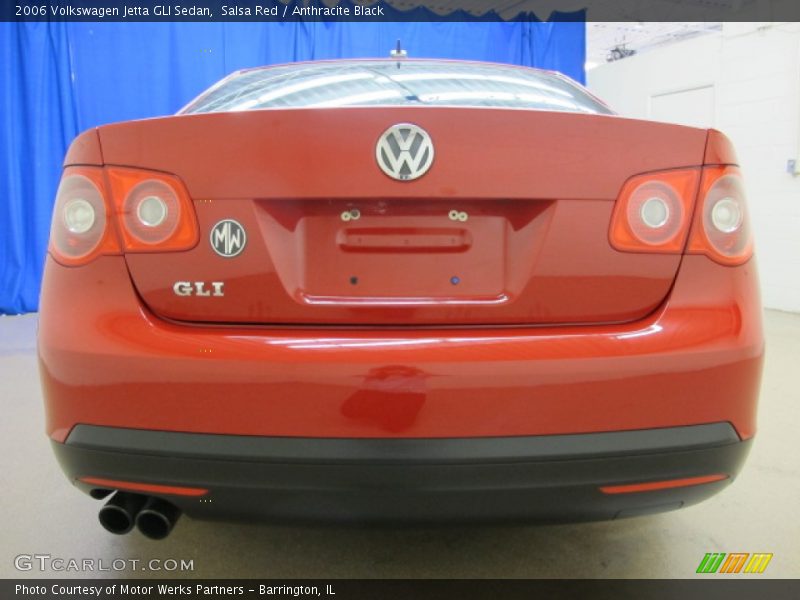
(509, 225)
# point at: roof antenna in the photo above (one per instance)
(398, 52)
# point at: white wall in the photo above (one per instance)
(748, 77)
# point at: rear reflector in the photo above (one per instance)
(666, 484)
(152, 488)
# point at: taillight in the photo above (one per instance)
(721, 228)
(80, 227)
(154, 209)
(653, 212)
(105, 211)
(656, 212)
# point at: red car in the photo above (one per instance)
(403, 290)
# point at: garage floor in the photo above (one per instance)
(42, 514)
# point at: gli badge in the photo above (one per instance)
(228, 238)
(199, 288)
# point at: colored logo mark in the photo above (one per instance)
(734, 562)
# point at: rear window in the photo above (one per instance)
(395, 83)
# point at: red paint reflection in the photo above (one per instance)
(391, 398)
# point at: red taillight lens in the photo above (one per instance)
(653, 212)
(721, 227)
(96, 207)
(656, 212)
(80, 228)
(155, 211)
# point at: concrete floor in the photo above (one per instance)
(43, 514)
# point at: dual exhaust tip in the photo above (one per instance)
(154, 517)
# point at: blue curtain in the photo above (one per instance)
(58, 79)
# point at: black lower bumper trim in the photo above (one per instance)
(408, 450)
(555, 478)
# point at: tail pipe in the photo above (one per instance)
(118, 515)
(157, 518)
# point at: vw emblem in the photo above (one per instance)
(228, 238)
(404, 152)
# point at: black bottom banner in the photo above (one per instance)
(403, 589)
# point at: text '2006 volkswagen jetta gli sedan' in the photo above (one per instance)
(399, 290)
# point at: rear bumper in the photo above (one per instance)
(552, 478)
